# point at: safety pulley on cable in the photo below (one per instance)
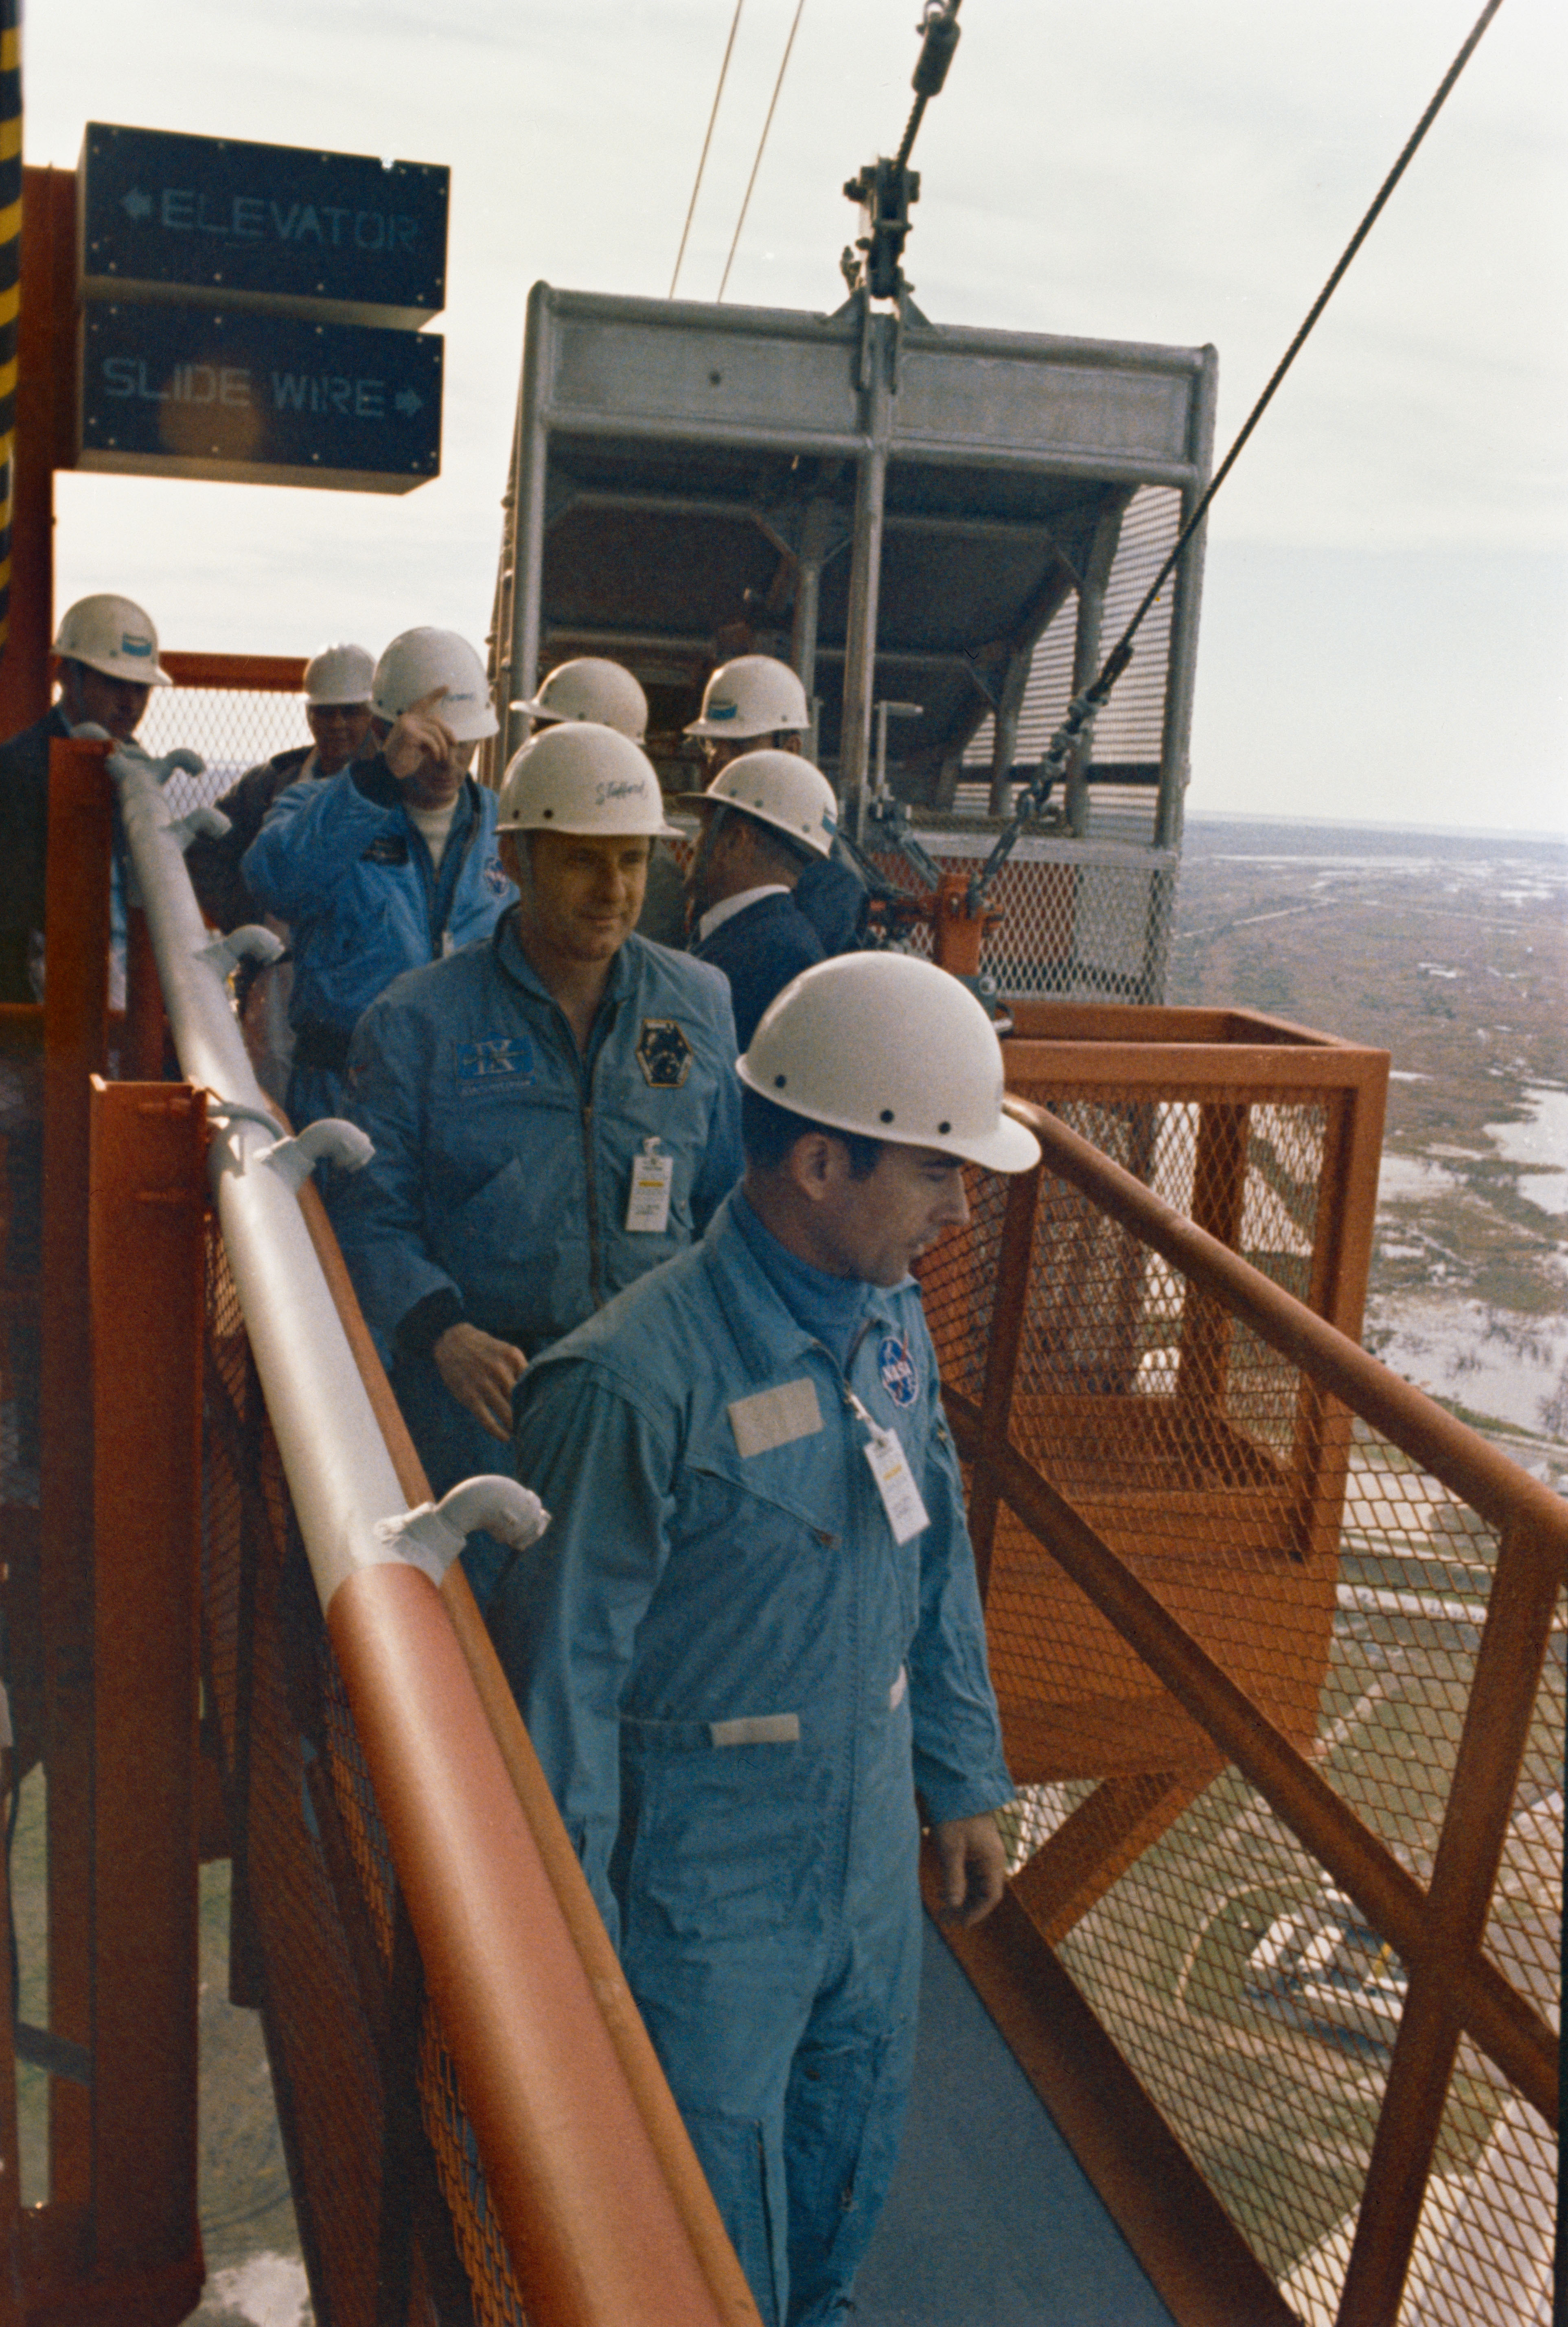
(887, 189)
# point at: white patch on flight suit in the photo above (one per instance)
(776, 1417)
(899, 1691)
(757, 1729)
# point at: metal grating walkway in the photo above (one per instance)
(992, 2221)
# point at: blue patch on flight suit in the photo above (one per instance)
(493, 1059)
(900, 1375)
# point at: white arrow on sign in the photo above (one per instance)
(407, 402)
(137, 204)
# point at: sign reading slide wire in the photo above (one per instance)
(252, 312)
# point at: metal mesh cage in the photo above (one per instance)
(1069, 924)
(233, 728)
(1344, 1588)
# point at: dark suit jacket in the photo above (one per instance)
(759, 950)
(214, 864)
(23, 848)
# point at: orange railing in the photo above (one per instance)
(477, 2123)
(1271, 1634)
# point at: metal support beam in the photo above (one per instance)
(45, 435)
(814, 532)
(520, 653)
(865, 586)
(147, 1268)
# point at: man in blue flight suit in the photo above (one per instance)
(390, 864)
(555, 1111)
(755, 704)
(755, 1631)
(765, 820)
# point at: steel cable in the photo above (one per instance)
(1121, 652)
(1082, 708)
(707, 141)
(762, 143)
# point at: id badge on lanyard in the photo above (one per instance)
(895, 1481)
(652, 1176)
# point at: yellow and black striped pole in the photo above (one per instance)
(10, 280)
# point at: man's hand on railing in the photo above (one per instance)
(482, 1373)
(972, 1862)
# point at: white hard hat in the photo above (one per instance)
(340, 674)
(589, 687)
(419, 661)
(893, 1048)
(752, 695)
(780, 788)
(112, 635)
(580, 777)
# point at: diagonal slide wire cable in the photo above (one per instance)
(762, 142)
(707, 141)
(1095, 696)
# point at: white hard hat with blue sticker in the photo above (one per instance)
(752, 695)
(111, 634)
(779, 789)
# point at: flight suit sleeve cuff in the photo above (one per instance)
(420, 1328)
(946, 1797)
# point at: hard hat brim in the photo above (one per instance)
(135, 675)
(1008, 1148)
(723, 731)
(473, 727)
(595, 831)
(818, 847)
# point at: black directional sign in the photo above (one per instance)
(258, 398)
(341, 234)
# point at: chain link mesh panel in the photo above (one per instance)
(1074, 928)
(1345, 1589)
(392, 2224)
(233, 729)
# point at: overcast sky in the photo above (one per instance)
(1385, 618)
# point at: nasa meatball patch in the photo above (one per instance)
(900, 1375)
(663, 1053)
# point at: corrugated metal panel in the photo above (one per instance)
(1128, 731)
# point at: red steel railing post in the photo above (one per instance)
(1481, 1798)
(146, 1027)
(147, 1259)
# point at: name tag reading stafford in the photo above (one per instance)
(648, 1209)
(895, 1483)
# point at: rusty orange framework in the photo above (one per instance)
(1166, 1452)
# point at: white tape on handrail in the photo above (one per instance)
(431, 1535)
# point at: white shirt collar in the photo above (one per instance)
(727, 907)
